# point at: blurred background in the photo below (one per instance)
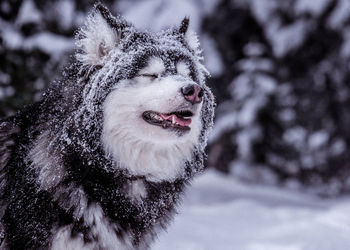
(280, 71)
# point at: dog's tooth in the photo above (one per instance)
(156, 117)
(173, 120)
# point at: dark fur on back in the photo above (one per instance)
(68, 124)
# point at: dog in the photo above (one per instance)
(102, 160)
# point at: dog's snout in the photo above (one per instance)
(192, 93)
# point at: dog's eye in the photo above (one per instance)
(153, 76)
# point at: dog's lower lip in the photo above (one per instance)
(174, 120)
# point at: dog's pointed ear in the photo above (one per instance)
(184, 25)
(99, 35)
(189, 37)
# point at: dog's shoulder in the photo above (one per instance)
(13, 128)
(8, 132)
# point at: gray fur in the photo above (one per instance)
(62, 182)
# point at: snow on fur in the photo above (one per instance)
(76, 181)
(119, 65)
(95, 45)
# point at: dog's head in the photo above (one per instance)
(161, 104)
(156, 106)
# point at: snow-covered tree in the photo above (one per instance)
(298, 122)
(36, 39)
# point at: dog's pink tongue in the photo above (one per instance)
(180, 121)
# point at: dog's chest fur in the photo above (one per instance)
(108, 212)
(104, 234)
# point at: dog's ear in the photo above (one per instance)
(189, 37)
(99, 35)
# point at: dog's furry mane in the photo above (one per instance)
(56, 179)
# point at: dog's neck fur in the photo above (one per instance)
(156, 162)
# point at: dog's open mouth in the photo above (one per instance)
(178, 120)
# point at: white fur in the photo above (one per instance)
(155, 66)
(137, 190)
(105, 230)
(98, 39)
(142, 148)
(193, 41)
(100, 228)
(72, 197)
(48, 165)
(51, 172)
(182, 69)
(62, 240)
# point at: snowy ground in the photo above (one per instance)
(219, 213)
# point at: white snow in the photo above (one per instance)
(255, 64)
(28, 13)
(262, 9)
(223, 214)
(158, 14)
(318, 139)
(65, 10)
(48, 42)
(286, 39)
(340, 14)
(338, 146)
(254, 49)
(51, 43)
(315, 7)
(295, 136)
(345, 50)
(11, 37)
(223, 124)
(287, 115)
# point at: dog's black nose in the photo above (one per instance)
(192, 93)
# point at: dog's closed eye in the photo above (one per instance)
(152, 76)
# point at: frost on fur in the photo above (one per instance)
(193, 42)
(96, 39)
(190, 37)
(86, 154)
